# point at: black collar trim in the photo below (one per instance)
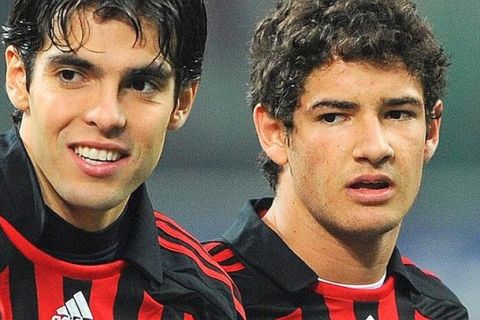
(21, 204)
(250, 237)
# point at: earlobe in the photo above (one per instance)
(433, 131)
(16, 79)
(271, 135)
(183, 107)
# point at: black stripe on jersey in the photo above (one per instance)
(402, 300)
(6, 250)
(314, 307)
(23, 293)
(130, 285)
(181, 237)
(214, 247)
(363, 310)
(222, 254)
(232, 262)
(72, 286)
(225, 257)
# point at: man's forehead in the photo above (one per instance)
(85, 32)
(74, 32)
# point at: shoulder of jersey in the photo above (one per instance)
(186, 254)
(224, 255)
(429, 283)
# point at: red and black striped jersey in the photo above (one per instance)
(163, 273)
(276, 284)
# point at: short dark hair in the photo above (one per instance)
(301, 35)
(181, 25)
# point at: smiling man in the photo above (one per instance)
(96, 86)
(346, 104)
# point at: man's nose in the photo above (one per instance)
(372, 143)
(107, 112)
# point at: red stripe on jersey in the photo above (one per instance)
(197, 252)
(387, 308)
(223, 255)
(295, 315)
(164, 218)
(171, 227)
(188, 316)
(233, 267)
(38, 257)
(406, 261)
(150, 309)
(221, 276)
(5, 299)
(49, 287)
(419, 316)
(340, 309)
(102, 296)
(211, 245)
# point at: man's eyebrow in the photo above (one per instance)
(154, 70)
(73, 60)
(400, 101)
(160, 70)
(333, 103)
(347, 105)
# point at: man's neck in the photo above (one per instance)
(82, 217)
(348, 259)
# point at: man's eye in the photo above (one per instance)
(399, 115)
(70, 76)
(143, 86)
(332, 118)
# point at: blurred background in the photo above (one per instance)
(208, 169)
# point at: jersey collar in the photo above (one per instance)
(255, 242)
(143, 249)
(19, 186)
(251, 238)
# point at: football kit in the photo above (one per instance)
(144, 266)
(276, 284)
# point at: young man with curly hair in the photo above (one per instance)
(346, 104)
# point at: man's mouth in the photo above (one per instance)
(370, 185)
(97, 155)
(371, 189)
(371, 181)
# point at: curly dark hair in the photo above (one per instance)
(301, 35)
(182, 28)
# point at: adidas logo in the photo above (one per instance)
(74, 309)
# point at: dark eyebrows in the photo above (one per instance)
(348, 105)
(72, 60)
(333, 103)
(160, 71)
(157, 69)
(401, 101)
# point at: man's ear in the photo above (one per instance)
(433, 131)
(271, 134)
(16, 79)
(185, 100)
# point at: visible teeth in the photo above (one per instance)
(102, 155)
(93, 154)
(97, 154)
